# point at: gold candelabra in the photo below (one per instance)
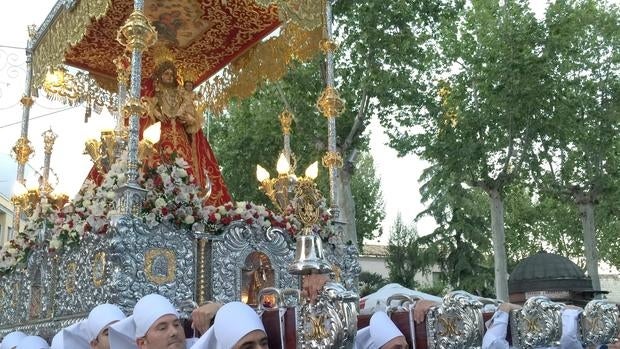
(281, 190)
(39, 191)
(106, 150)
(27, 199)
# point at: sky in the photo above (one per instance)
(399, 176)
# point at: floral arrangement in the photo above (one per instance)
(172, 197)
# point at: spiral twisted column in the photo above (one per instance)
(331, 106)
(22, 151)
(137, 34)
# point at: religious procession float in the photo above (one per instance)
(154, 214)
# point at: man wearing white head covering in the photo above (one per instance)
(236, 326)
(94, 330)
(11, 340)
(380, 333)
(32, 342)
(154, 324)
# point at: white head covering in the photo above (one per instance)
(149, 309)
(363, 339)
(380, 331)
(232, 322)
(75, 337)
(100, 317)
(12, 339)
(33, 342)
(58, 341)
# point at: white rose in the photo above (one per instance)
(110, 195)
(218, 216)
(121, 178)
(189, 219)
(160, 202)
(165, 178)
(55, 244)
(181, 173)
(12, 251)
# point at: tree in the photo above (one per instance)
(481, 125)
(369, 207)
(460, 245)
(404, 255)
(580, 158)
(370, 283)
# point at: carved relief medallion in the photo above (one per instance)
(160, 265)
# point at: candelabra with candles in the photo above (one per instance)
(106, 150)
(302, 194)
(27, 196)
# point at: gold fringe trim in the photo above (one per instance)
(267, 61)
(66, 31)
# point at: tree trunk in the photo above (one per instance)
(499, 244)
(347, 206)
(585, 202)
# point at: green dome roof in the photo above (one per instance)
(547, 272)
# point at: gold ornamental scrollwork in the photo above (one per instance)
(328, 46)
(15, 297)
(308, 14)
(49, 137)
(27, 101)
(267, 61)
(317, 327)
(332, 159)
(123, 65)
(68, 29)
(160, 266)
(330, 104)
(133, 106)
(99, 269)
(286, 120)
(71, 277)
(137, 33)
(22, 150)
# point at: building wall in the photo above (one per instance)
(6, 219)
(377, 264)
(611, 283)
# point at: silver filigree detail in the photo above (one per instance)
(599, 323)
(537, 324)
(231, 249)
(346, 258)
(330, 322)
(131, 241)
(456, 323)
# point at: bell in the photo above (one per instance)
(309, 257)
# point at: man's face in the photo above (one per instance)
(168, 77)
(102, 341)
(396, 343)
(254, 340)
(165, 333)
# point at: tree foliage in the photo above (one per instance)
(404, 255)
(370, 283)
(369, 207)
